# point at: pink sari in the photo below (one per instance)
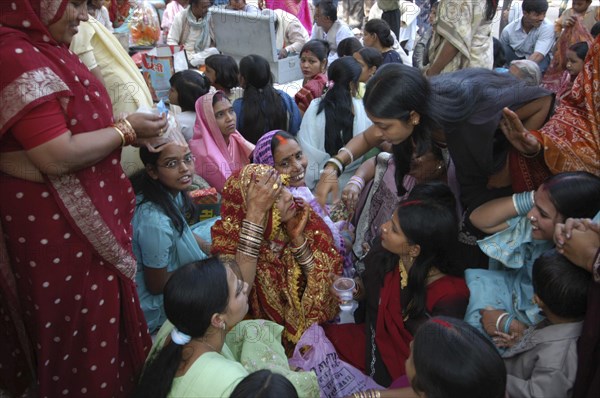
(71, 322)
(216, 159)
(298, 8)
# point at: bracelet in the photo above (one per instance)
(507, 323)
(523, 202)
(336, 162)
(299, 248)
(348, 151)
(253, 226)
(121, 134)
(127, 130)
(532, 155)
(499, 320)
(358, 181)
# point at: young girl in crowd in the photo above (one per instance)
(369, 59)
(407, 279)
(282, 151)
(523, 226)
(264, 384)
(377, 34)
(219, 148)
(162, 240)
(575, 59)
(332, 120)
(222, 72)
(348, 46)
(200, 352)
(313, 62)
(544, 362)
(449, 359)
(263, 108)
(186, 87)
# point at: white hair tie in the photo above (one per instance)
(179, 338)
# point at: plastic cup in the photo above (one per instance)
(344, 288)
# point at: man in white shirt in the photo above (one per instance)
(531, 36)
(290, 35)
(328, 27)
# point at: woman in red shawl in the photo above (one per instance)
(407, 280)
(570, 140)
(71, 322)
(285, 251)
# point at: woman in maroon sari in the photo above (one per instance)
(71, 323)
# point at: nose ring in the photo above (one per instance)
(532, 219)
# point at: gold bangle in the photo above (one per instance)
(121, 134)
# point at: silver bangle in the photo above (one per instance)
(344, 149)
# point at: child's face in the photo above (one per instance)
(574, 63)
(433, 15)
(237, 4)
(173, 96)
(581, 6)
(210, 74)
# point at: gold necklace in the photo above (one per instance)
(209, 345)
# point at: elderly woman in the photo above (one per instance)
(68, 297)
(285, 251)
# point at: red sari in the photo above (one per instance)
(282, 292)
(71, 320)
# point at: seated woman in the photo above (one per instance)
(348, 46)
(282, 151)
(222, 72)
(285, 251)
(377, 34)
(369, 59)
(523, 226)
(219, 148)
(162, 240)
(313, 62)
(192, 28)
(331, 121)
(186, 87)
(575, 56)
(407, 279)
(205, 349)
(263, 108)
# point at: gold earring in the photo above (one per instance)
(403, 274)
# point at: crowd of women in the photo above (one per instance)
(463, 203)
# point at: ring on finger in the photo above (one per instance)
(275, 187)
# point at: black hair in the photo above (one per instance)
(226, 70)
(595, 29)
(453, 359)
(328, 9)
(490, 9)
(499, 56)
(190, 86)
(392, 93)
(192, 2)
(263, 107)
(320, 48)
(581, 49)
(381, 29)
(264, 384)
(436, 191)
(561, 285)
(348, 46)
(432, 224)
(155, 192)
(219, 96)
(574, 194)
(537, 6)
(192, 295)
(337, 103)
(371, 57)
